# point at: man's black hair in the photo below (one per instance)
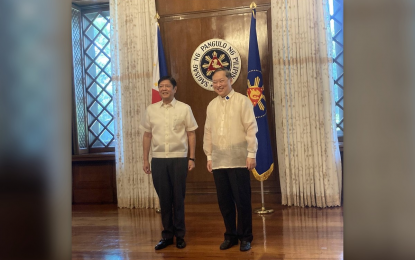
(169, 78)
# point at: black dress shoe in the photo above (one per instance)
(245, 245)
(163, 243)
(180, 243)
(228, 244)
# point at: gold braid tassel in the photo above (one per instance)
(265, 175)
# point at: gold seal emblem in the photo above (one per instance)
(211, 55)
(255, 93)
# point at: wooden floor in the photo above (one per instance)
(107, 233)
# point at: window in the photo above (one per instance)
(336, 25)
(93, 92)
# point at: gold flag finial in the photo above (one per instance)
(253, 5)
(157, 16)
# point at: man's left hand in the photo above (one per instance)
(191, 165)
(250, 163)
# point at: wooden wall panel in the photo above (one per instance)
(173, 7)
(182, 32)
(93, 182)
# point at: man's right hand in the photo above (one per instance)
(209, 166)
(146, 167)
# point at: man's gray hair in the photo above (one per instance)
(227, 72)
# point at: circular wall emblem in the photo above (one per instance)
(211, 55)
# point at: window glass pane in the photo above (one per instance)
(100, 22)
(97, 50)
(111, 127)
(107, 69)
(336, 28)
(97, 144)
(78, 81)
(101, 60)
(110, 109)
(95, 109)
(105, 118)
(103, 79)
(106, 137)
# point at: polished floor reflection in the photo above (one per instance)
(107, 233)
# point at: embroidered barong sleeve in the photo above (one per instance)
(207, 139)
(251, 127)
(145, 123)
(190, 120)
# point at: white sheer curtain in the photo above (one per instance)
(308, 151)
(132, 37)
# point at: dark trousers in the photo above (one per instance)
(233, 187)
(169, 179)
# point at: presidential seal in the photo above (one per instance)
(211, 55)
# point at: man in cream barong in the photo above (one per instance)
(230, 145)
(169, 126)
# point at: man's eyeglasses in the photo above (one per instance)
(221, 81)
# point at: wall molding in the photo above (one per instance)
(213, 13)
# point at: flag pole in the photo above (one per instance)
(157, 17)
(265, 164)
(262, 209)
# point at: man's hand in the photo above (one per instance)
(146, 167)
(147, 136)
(209, 166)
(191, 165)
(250, 163)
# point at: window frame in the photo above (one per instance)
(77, 150)
(338, 7)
